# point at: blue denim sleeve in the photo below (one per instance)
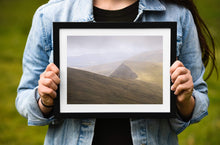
(190, 56)
(35, 60)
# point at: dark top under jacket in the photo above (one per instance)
(110, 131)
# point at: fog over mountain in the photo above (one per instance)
(87, 60)
(85, 51)
(124, 72)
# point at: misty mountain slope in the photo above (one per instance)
(124, 72)
(90, 88)
(103, 69)
(147, 71)
(106, 65)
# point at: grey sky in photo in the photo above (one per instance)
(84, 51)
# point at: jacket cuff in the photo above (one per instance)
(35, 116)
(199, 112)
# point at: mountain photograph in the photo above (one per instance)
(118, 70)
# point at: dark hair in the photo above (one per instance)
(205, 37)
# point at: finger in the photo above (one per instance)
(188, 87)
(179, 89)
(42, 75)
(52, 67)
(184, 95)
(179, 71)
(180, 80)
(53, 76)
(181, 97)
(49, 83)
(45, 92)
(175, 65)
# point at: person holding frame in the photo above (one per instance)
(40, 79)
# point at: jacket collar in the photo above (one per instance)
(84, 8)
(151, 5)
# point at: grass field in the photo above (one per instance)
(15, 22)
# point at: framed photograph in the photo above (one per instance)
(114, 69)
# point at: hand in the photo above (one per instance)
(47, 86)
(183, 88)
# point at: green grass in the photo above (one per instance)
(15, 22)
(206, 132)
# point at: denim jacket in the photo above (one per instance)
(39, 53)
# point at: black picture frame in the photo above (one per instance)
(63, 32)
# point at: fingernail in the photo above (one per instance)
(175, 93)
(172, 88)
